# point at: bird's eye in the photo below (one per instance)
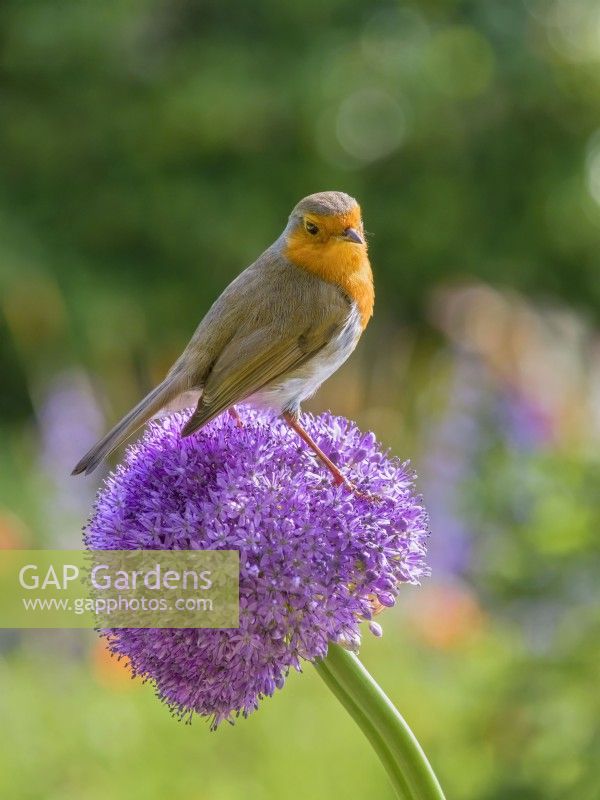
(311, 228)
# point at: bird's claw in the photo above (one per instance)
(233, 412)
(341, 480)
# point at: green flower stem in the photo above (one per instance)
(382, 724)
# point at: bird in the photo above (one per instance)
(275, 334)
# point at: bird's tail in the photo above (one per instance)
(150, 405)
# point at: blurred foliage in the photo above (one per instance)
(150, 150)
(498, 720)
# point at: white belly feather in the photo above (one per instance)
(287, 393)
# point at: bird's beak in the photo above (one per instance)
(352, 235)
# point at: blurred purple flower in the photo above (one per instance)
(481, 411)
(69, 419)
(524, 424)
(451, 449)
(314, 558)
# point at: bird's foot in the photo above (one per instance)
(233, 412)
(340, 480)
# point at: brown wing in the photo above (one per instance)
(253, 360)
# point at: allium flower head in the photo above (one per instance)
(314, 558)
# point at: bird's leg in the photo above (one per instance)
(338, 476)
(233, 412)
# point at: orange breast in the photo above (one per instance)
(337, 262)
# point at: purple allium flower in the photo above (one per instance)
(314, 558)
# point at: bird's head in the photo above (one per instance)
(325, 216)
(325, 234)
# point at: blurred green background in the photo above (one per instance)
(150, 150)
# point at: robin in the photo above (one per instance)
(280, 329)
